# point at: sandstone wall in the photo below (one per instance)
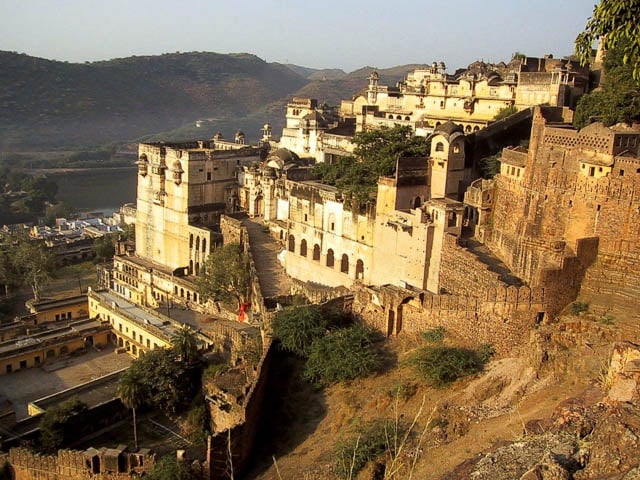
(77, 465)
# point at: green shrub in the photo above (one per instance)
(433, 335)
(607, 319)
(341, 355)
(374, 438)
(485, 352)
(403, 390)
(55, 429)
(298, 327)
(578, 307)
(439, 366)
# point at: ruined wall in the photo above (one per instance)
(502, 316)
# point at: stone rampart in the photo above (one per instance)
(76, 465)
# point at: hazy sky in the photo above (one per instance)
(320, 34)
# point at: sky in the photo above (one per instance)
(346, 34)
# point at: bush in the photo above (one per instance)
(55, 429)
(341, 355)
(168, 468)
(485, 352)
(433, 335)
(607, 319)
(440, 366)
(578, 307)
(374, 439)
(403, 390)
(298, 327)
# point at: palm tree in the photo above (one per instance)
(184, 343)
(132, 391)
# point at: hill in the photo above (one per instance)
(51, 104)
(45, 102)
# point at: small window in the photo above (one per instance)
(209, 176)
(439, 147)
(622, 173)
(598, 208)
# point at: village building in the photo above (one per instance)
(183, 189)
(430, 97)
(332, 242)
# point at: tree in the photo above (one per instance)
(104, 247)
(8, 275)
(376, 153)
(298, 327)
(185, 344)
(619, 98)
(615, 23)
(505, 112)
(132, 392)
(55, 426)
(33, 263)
(344, 354)
(226, 275)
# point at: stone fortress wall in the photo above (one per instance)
(77, 465)
(560, 211)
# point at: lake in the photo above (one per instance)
(97, 189)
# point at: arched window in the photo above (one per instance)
(330, 260)
(303, 248)
(292, 243)
(197, 268)
(197, 243)
(359, 270)
(407, 118)
(344, 264)
(467, 129)
(417, 202)
(439, 147)
(190, 267)
(476, 128)
(204, 244)
(182, 292)
(398, 117)
(191, 240)
(316, 252)
(188, 295)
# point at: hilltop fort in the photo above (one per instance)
(489, 259)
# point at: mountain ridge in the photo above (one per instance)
(50, 103)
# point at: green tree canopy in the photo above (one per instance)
(55, 428)
(376, 153)
(226, 275)
(344, 354)
(33, 263)
(614, 22)
(619, 98)
(167, 382)
(298, 327)
(185, 344)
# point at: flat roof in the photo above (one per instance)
(149, 319)
(57, 375)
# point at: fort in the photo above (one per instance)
(488, 259)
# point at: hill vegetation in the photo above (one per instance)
(46, 103)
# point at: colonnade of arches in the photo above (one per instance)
(331, 259)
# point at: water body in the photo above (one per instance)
(98, 189)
